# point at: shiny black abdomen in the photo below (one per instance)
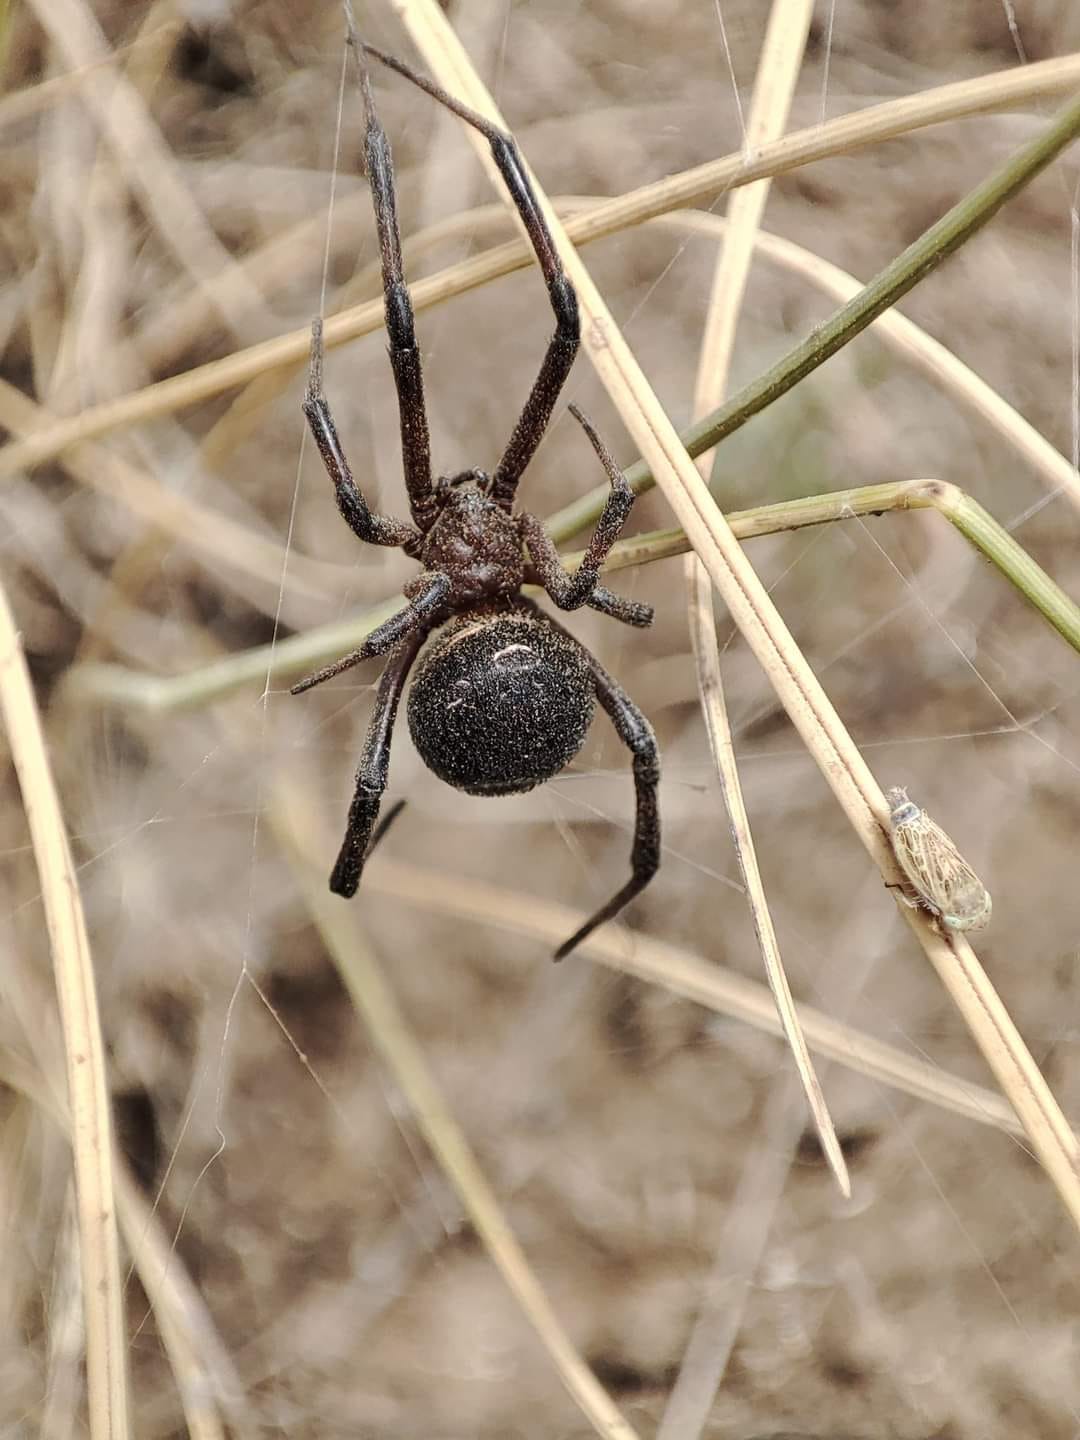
(499, 704)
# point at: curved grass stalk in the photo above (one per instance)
(975, 523)
(479, 902)
(872, 125)
(290, 256)
(109, 684)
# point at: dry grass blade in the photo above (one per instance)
(778, 68)
(66, 1351)
(170, 330)
(750, 1214)
(756, 617)
(106, 1349)
(196, 1354)
(687, 975)
(360, 970)
(200, 1363)
(710, 684)
(869, 126)
(146, 159)
(218, 537)
(933, 358)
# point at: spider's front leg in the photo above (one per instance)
(400, 325)
(563, 345)
(375, 529)
(571, 591)
(374, 768)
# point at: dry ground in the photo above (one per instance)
(617, 1123)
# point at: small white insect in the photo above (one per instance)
(942, 879)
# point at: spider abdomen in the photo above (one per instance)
(500, 704)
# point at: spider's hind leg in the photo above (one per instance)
(637, 735)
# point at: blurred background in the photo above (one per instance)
(625, 1130)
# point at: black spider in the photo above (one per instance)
(503, 697)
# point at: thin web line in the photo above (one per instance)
(1014, 30)
(731, 72)
(244, 973)
(1020, 726)
(830, 26)
(1074, 275)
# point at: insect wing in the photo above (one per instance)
(944, 880)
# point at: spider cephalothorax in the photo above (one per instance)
(502, 696)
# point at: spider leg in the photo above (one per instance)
(571, 591)
(373, 770)
(563, 345)
(428, 593)
(360, 520)
(379, 833)
(375, 529)
(630, 612)
(637, 735)
(400, 328)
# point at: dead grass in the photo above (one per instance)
(629, 1134)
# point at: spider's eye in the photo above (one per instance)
(479, 478)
